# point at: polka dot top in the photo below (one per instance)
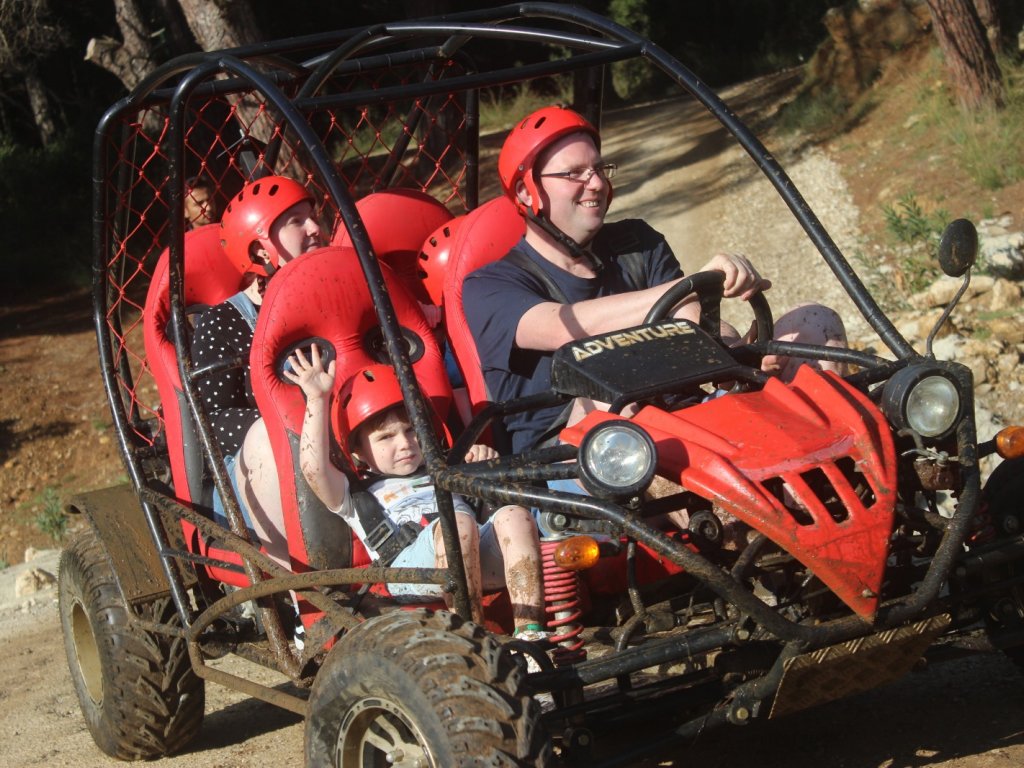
(222, 333)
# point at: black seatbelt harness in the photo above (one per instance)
(383, 535)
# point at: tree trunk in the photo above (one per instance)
(219, 24)
(41, 111)
(988, 13)
(972, 65)
(131, 60)
(178, 32)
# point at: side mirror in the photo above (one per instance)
(958, 247)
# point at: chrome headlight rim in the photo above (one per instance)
(902, 396)
(594, 450)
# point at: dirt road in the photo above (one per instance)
(965, 714)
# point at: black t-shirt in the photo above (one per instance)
(496, 296)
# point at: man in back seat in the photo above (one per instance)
(269, 223)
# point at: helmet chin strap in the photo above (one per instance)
(574, 248)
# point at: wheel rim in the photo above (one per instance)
(376, 732)
(87, 653)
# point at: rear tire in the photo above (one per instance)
(136, 688)
(422, 687)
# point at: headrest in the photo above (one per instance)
(485, 234)
(397, 222)
(323, 296)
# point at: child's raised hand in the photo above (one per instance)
(309, 374)
(481, 453)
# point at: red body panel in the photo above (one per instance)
(731, 449)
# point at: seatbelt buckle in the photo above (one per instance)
(379, 536)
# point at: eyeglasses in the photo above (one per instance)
(583, 175)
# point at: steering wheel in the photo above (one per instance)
(708, 287)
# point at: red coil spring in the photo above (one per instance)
(562, 605)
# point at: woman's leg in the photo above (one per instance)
(256, 472)
(517, 538)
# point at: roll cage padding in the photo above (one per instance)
(398, 221)
(323, 295)
(208, 278)
(485, 235)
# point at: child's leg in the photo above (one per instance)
(807, 324)
(517, 538)
(469, 541)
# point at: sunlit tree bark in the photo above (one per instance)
(972, 65)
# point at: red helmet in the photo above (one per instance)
(433, 260)
(250, 215)
(528, 139)
(367, 393)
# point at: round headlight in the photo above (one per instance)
(617, 459)
(923, 399)
(932, 406)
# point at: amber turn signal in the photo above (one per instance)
(1010, 442)
(577, 553)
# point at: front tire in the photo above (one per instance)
(420, 688)
(138, 693)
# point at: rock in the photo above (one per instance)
(1007, 329)
(31, 553)
(1005, 294)
(32, 581)
(1006, 260)
(942, 291)
(1007, 363)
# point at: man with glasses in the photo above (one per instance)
(572, 275)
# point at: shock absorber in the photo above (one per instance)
(562, 605)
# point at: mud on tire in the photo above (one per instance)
(137, 690)
(420, 684)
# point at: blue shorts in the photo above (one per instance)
(219, 515)
(421, 554)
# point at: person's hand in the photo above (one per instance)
(481, 453)
(432, 314)
(309, 374)
(741, 279)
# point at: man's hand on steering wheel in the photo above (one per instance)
(742, 280)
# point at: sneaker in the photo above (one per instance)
(537, 637)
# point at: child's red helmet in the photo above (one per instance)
(528, 139)
(368, 392)
(250, 215)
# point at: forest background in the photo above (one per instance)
(58, 63)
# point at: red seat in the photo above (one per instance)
(208, 279)
(322, 296)
(485, 234)
(398, 221)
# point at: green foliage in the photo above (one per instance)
(908, 222)
(44, 215)
(499, 111)
(631, 79)
(814, 112)
(51, 519)
(986, 144)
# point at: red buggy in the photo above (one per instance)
(848, 573)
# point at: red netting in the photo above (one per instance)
(229, 138)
